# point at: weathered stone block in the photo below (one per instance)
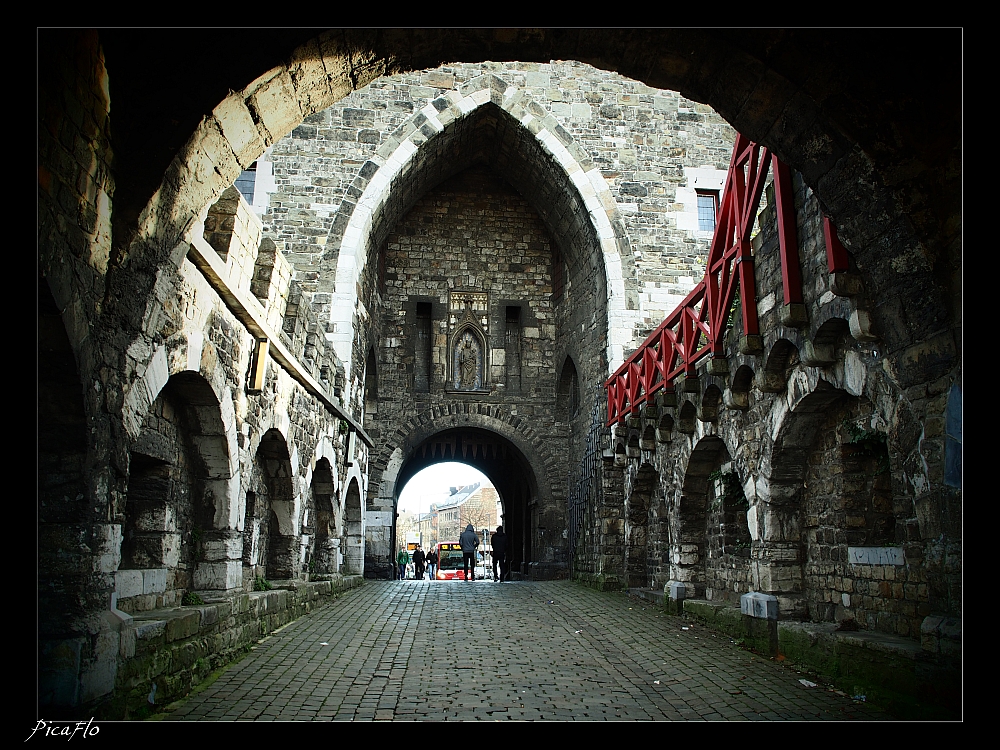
(224, 575)
(154, 581)
(128, 583)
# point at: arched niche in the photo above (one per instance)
(326, 548)
(353, 535)
(568, 391)
(273, 524)
(638, 504)
(468, 371)
(177, 490)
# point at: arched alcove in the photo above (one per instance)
(353, 539)
(690, 551)
(274, 523)
(326, 551)
(638, 504)
(173, 499)
(568, 391)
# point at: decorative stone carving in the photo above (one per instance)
(468, 321)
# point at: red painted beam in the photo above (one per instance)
(791, 274)
(836, 254)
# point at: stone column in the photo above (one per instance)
(220, 567)
(776, 562)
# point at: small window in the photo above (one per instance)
(708, 207)
(246, 182)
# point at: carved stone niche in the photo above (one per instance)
(468, 354)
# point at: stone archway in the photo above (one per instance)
(326, 550)
(353, 539)
(638, 507)
(274, 522)
(507, 465)
(427, 156)
(690, 548)
(176, 536)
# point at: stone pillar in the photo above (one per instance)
(282, 557)
(777, 563)
(221, 565)
(611, 520)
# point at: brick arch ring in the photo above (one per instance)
(491, 418)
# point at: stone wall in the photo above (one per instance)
(129, 298)
(167, 652)
(511, 225)
(813, 434)
(649, 145)
(177, 423)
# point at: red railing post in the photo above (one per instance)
(791, 275)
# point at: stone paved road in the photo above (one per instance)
(415, 650)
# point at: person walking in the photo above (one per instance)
(432, 561)
(469, 541)
(499, 554)
(418, 563)
(402, 559)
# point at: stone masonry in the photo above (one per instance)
(449, 262)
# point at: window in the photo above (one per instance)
(246, 181)
(708, 207)
(422, 357)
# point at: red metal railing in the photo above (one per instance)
(697, 326)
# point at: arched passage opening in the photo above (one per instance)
(178, 467)
(503, 463)
(271, 513)
(439, 502)
(353, 537)
(638, 564)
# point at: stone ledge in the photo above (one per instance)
(895, 673)
(650, 595)
(600, 581)
(175, 648)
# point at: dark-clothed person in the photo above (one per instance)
(499, 554)
(418, 563)
(469, 541)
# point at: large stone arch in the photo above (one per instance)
(536, 534)
(495, 418)
(778, 486)
(758, 95)
(397, 178)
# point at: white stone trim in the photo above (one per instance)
(591, 188)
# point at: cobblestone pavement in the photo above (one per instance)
(415, 650)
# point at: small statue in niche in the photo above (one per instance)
(467, 363)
